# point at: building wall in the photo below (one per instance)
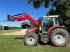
(25, 26)
(0, 27)
(4, 27)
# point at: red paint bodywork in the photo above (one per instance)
(26, 16)
(22, 17)
(52, 28)
(49, 30)
(35, 29)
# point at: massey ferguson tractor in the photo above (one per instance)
(46, 29)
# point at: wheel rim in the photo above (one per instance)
(59, 39)
(30, 40)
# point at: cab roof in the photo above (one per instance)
(51, 16)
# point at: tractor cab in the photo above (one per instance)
(49, 21)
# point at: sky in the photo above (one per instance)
(13, 7)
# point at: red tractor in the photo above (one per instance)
(46, 29)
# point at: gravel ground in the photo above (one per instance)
(22, 32)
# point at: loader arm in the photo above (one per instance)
(21, 17)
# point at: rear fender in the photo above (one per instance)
(52, 28)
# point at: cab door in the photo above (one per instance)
(46, 24)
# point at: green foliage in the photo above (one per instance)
(46, 3)
(52, 12)
(36, 4)
(68, 12)
(62, 7)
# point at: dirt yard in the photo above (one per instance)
(21, 32)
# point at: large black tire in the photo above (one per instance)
(30, 39)
(59, 37)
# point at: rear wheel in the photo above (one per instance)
(59, 37)
(30, 39)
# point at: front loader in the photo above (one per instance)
(46, 29)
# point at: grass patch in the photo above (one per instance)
(12, 43)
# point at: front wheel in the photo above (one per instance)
(59, 37)
(30, 39)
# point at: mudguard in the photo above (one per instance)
(52, 28)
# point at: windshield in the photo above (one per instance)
(40, 20)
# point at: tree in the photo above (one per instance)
(62, 7)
